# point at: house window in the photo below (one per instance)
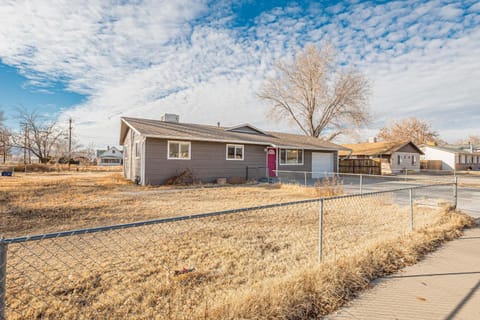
(235, 151)
(414, 160)
(137, 150)
(291, 156)
(399, 159)
(179, 150)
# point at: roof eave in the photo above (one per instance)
(124, 126)
(264, 143)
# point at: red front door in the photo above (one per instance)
(272, 162)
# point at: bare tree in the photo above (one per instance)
(40, 135)
(323, 99)
(5, 143)
(473, 139)
(411, 129)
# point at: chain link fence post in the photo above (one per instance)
(455, 192)
(361, 184)
(410, 193)
(320, 231)
(305, 177)
(3, 276)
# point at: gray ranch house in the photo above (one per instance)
(156, 150)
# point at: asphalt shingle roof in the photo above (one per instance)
(456, 149)
(373, 148)
(190, 131)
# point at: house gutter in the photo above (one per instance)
(262, 143)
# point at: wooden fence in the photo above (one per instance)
(431, 164)
(360, 166)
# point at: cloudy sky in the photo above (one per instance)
(205, 60)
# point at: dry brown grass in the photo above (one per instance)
(40, 167)
(326, 187)
(43, 202)
(253, 265)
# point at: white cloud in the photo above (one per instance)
(151, 57)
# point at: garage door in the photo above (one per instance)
(322, 163)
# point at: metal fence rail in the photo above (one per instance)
(189, 266)
(357, 183)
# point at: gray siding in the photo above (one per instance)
(408, 148)
(208, 162)
(307, 163)
(132, 163)
(405, 161)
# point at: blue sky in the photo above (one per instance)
(204, 60)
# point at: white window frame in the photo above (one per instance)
(179, 142)
(290, 164)
(137, 150)
(235, 146)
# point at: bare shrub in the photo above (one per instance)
(184, 178)
(236, 180)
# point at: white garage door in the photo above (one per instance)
(322, 163)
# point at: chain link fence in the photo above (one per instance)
(357, 183)
(195, 267)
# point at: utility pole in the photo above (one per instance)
(4, 144)
(25, 147)
(69, 141)
(29, 147)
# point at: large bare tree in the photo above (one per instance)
(38, 135)
(410, 129)
(321, 97)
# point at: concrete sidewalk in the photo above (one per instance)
(445, 285)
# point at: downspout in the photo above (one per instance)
(143, 162)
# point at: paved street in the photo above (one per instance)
(446, 285)
(468, 197)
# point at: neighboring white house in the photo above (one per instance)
(454, 157)
(110, 157)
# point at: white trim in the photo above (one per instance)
(132, 142)
(139, 152)
(290, 164)
(130, 126)
(276, 162)
(235, 151)
(179, 142)
(246, 125)
(125, 152)
(336, 159)
(142, 162)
